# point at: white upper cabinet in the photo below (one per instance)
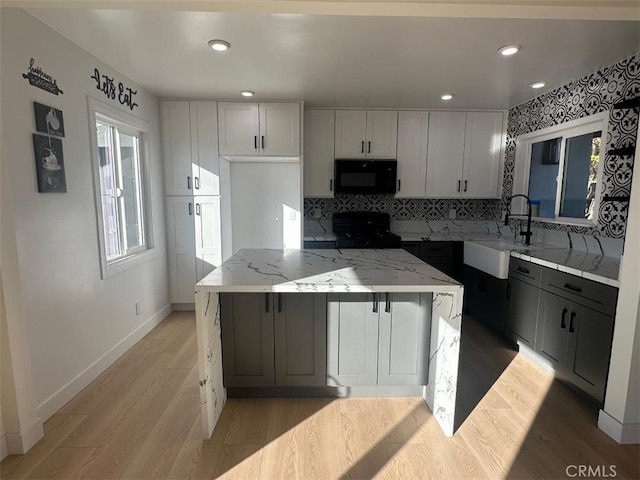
(366, 134)
(319, 132)
(483, 154)
(190, 143)
(464, 156)
(250, 129)
(413, 133)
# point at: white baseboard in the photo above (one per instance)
(184, 307)
(4, 450)
(19, 443)
(622, 433)
(56, 401)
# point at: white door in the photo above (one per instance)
(279, 129)
(176, 140)
(181, 248)
(238, 130)
(265, 205)
(208, 248)
(482, 175)
(204, 148)
(413, 133)
(319, 135)
(351, 126)
(445, 154)
(381, 134)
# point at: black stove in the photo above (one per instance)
(364, 230)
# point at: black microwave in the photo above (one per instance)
(365, 176)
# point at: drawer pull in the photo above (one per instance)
(572, 288)
(564, 315)
(522, 270)
(573, 317)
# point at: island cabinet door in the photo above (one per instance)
(405, 320)
(247, 339)
(300, 322)
(352, 339)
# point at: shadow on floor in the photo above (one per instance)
(484, 356)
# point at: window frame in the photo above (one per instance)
(139, 128)
(522, 169)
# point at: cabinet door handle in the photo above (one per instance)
(198, 209)
(279, 303)
(387, 305)
(465, 185)
(375, 303)
(331, 185)
(399, 185)
(255, 142)
(369, 148)
(262, 141)
(562, 322)
(573, 317)
(522, 270)
(508, 290)
(188, 183)
(458, 185)
(196, 183)
(190, 209)
(362, 147)
(266, 302)
(572, 288)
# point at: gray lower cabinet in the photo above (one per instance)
(576, 340)
(300, 324)
(523, 290)
(378, 339)
(273, 339)
(523, 312)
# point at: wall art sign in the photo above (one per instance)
(49, 120)
(121, 93)
(49, 164)
(38, 78)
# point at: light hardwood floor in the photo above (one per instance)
(141, 419)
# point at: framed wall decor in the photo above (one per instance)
(49, 164)
(49, 120)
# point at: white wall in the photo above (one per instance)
(76, 323)
(621, 416)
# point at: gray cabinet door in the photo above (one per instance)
(247, 339)
(300, 322)
(523, 312)
(405, 320)
(352, 339)
(590, 335)
(553, 321)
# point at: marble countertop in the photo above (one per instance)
(582, 264)
(326, 270)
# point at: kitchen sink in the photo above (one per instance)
(491, 256)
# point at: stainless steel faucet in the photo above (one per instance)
(526, 234)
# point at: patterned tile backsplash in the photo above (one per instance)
(592, 94)
(404, 208)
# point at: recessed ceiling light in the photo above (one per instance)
(219, 45)
(537, 85)
(247, 93)
(509, 50)
(447, 96)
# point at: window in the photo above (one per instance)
(120, 171)
(559, 168)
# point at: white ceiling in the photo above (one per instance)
(345, 61)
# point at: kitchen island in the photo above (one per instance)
(366, 271)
